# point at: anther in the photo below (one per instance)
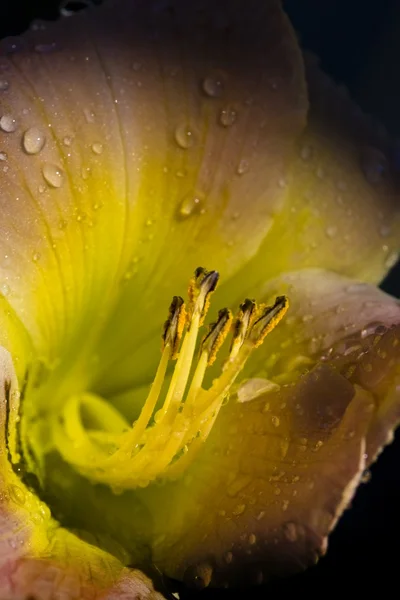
(244, 320)
(216, 335)
(174, 326)
(269, 319)
(200, 288)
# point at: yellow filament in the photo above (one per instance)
(115, 454)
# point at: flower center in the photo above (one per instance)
(178, 413)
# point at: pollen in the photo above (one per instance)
(179, 411)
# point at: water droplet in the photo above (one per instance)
(35, 256)
(290, 531)
(306, 152)
(373, 164)
(282, 183)
(97, 148)
(3, 156)
(227, 116)
(89, 115)
(202, 575)
(189, 205)
(53, 175)
(239, 510)
(228, 557)
(8, 123)
(17, 494)
(213, 86)
(5, 289)
(331, 231)
(243, 167)
(33, 140)
(184, 136)
(45, 48)
(4, 85)
(391, 260)
(275, 421)
(67, 141)
(252, 539)
(385, 231)
(341, 185)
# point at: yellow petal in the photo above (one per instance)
(128, 134)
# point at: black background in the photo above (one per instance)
(354, 40)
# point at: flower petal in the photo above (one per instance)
(39, 559)
(342, 209)
(281, 465)
(128, 130)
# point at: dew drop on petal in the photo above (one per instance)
(45, 48)
(331, 231)
(385, 231)
(53, 175)
(228, 557)
(17, 494)
(4, 85)
(190, 204)
(306, 152)
(67, 141)
(373, 164)
(275, 421)
(184, 136)
(97, 148)
(5, 289)
(239, 510)
(89, 115)
(3, 156)
(391, 260)
(213, 86)
(227, 116)
(8, 124)
(290, 531)
(33, 140)
(243, 167)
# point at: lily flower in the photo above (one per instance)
(141, 142)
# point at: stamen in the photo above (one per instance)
(217, 335)
(174, 326)
(269, 319)
(244, 320)
(200, 289)
(164, 443)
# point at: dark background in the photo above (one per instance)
(358, 42)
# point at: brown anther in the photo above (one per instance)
(216, 335)
(269, 319)
(202, 284)
(174, 326)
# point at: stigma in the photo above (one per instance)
(179, 411)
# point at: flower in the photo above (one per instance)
(139, 141)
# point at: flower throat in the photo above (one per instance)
(99, 443)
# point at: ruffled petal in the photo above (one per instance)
(127, 133)
(288, 450)
(39, 559)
